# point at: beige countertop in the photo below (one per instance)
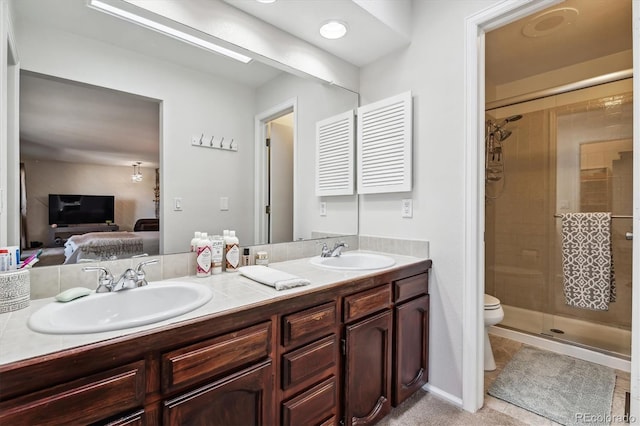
(231, 291)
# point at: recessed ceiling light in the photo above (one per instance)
(333, 30)
(266, 1)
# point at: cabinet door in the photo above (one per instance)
(368, 370)
(243, 399)
(411, 349)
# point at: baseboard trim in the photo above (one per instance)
(562, 348)
(443, 395)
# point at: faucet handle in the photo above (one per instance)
(145, 263)
(105, 279)
(325, 249)
(141, 279)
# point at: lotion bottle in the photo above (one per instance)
(217, 254)
(232, 256)
(194, 241)
(203, 259)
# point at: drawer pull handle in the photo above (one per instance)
(415, 379)
(318, 317)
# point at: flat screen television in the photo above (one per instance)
(67, 209)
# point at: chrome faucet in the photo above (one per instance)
(335, 252)
(129, 279)
(105, 279)
(141, 279)
(126, 281)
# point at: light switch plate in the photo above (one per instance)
(224, 203)
(407, 208)
(177, 204)
(323, 209)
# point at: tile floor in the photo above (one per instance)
(424, 409)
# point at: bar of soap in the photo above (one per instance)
(73, 293)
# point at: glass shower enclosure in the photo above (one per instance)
(570, 152)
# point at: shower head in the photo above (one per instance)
(503, 134)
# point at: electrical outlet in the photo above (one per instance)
(323, 209)
(224, 204)
(177, 204)
(407, 208)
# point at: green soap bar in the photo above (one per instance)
(73, 293)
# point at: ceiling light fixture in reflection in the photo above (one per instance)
(165, 29)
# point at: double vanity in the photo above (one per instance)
(344, 349)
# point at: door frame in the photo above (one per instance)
(260, 166)
(9, 123)
(476, 26)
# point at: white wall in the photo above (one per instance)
(192, 103)
(133, 201)
(316, 102)
(432, 67)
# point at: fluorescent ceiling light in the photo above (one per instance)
(165, 29)
(266, 1)
(333, 30)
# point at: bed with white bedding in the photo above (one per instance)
(96, 246)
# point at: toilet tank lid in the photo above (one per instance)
(490, 300)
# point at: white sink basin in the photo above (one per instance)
(354, 261)
(123, 309)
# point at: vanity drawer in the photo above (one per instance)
(407, 288)
(312, 406)
(215, 356)
(307, 362)
(367, 302)
(304, 326)
(82, 401)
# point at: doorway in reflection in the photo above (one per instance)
(279, 177)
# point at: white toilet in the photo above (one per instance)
(493, 314)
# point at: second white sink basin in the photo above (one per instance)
(354, 261)
(99, 312)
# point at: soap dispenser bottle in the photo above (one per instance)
(232, 253)
(203, 258)
(194, 241)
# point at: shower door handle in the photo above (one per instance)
(628, 236)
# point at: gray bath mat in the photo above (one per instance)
(561, 388)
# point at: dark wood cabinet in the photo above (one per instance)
(98, 396)
(241, 399)
(342, 352)
(411, 348)
(312, 407)
(367, 369)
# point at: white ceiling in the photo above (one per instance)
(62, 120)
(602, 27)
(368, 38)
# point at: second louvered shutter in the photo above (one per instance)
(334, 155)
(384, 145)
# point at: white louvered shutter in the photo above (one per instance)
(334, 155)
(385, 145)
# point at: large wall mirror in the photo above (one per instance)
(102, 100)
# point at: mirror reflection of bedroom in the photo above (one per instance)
(89, 172)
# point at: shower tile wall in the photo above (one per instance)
(517, 221)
